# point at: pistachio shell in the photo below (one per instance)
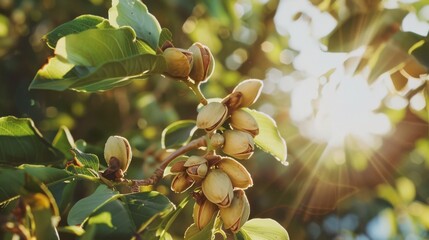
(251, 89)
(237, 213)
(244, 121)
(212, 116)
(217, 187)
(194, 161)
(203, 213)
(217, 140)
(179, 62)
(118, 147)
(203, 64)
(238, 144)
(197, 172)
(237, 173)
(178, 167)
(181, 182)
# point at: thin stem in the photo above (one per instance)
(197, 91)
(159, 172)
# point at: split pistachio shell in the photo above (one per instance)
(217, 187)
(194, 161)
(251, 89)
(237, 173)
(181, 182)
(217, 140)
(238, 144)
(179, 62)
(212, 116)
(237, 213)
(197, 172)
(118, 147)
(244, 121)
(203, 213)
(203, 64)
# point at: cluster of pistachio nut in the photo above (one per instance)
(238, 142)
(222, 180)
(197, 62)
(117, 153)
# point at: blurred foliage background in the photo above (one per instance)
(358, 143)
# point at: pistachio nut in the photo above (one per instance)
(238, 144)
(237, 173)
(217, 140)
(212, 116)
(250, 89)
(203, 64)
(196, 167)
(237, 213)
(217, 187)
(179, 62)
(203, 213)
(119, 148)
(244, 121)
(181, 182)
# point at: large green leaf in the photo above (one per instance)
(262, 229)
(21, 142)
(134, 13)
(363, 29)
(59, 75)
(79, 24)
(43, 174)
(269, 138)
(84, 163)
(165, 36)
(178, 133)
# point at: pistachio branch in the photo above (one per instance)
(197, 91)
(159, 172)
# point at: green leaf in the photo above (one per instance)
(262, 229)
(165, 36)
(58, 75)
(76, 25)
(193, 233)
(21, 142)
(128, 212)
(178, 133)
(93, 47)
(84, 207)
(43, 174)
(134, 13)
(363, 29)
(64, 142)
(88, 160)
(269, 138)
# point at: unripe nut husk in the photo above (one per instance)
(203, 62)
(244, 121)
(217, 187)
(251, 89)
(238, 144)
(179, 62)
(217, 140)
(237, 173)
(237, 213)
(118, 147)
(203, 213)
(212, 116)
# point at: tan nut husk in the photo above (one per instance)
(194, 161)
(203, 64)
(217, 140)
(118, 147)
(238, 144)
(178, 167)
(179, 62)
(212, 116)
(217, 187)
(244, 121)
(181, 182)
(203, 213)
(197, 172)
(237, 213)
(237, 173)
(251, 89)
